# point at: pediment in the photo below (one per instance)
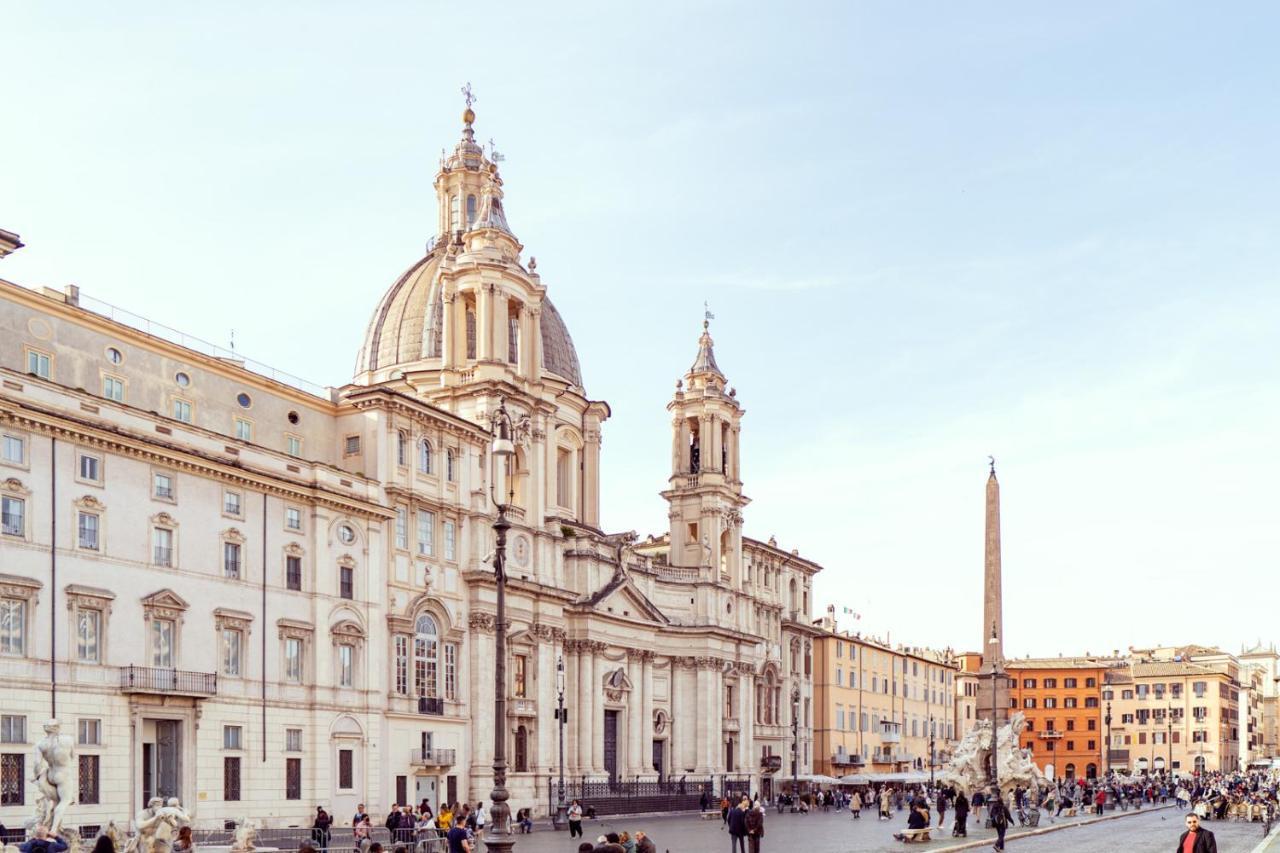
(627, 601)
(166, 598)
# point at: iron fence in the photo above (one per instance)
(160, 680)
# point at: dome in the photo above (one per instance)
(406, 327)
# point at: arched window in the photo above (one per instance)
(424, 456)
(1091, 772)
(402, 448)
(794, 597)
(450, 464)
(522, 750)
(471, 210)
(1070, 771)
(471, 332)
(426, 657)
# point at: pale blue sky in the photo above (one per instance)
(930, 231)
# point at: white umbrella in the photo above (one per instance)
(855, 779)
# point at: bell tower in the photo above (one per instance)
(705, 487)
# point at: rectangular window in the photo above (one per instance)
(13, 627)
(13, 516)
(351, 445)
(13, 729)
(293, 778)
(113, 388)
(231, 560)
(402, 448)
(293, 518)
(346, 767)
(89, 788)
(450, 465)
(244, 430)
(1050, 684)
(402, 665)
(88, 629)
(449, 541)
(162, 546)
(564, 484)
(38, 363)
(346, 665)
(181, 411)
(231, 737)
(231, 503)
(15, 449)
(293, 660)
(1069, 683)
(231, 647)
(1069, 702)
(162, 643)
(346, 583)
(426, 533)
(89, 733)
(87, 531)
(450, 671)
(513, 340)
(293, 573)
(162, 486)
(1029, 683)
(839, 678)
(293, 740)
(90, 468)
(402, 528)
(13, 779)
(231, 777)
(293, 445)
(519, 684)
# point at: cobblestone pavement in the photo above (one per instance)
(1154, 830)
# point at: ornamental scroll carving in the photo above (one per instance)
(547, 633)
(482, 622)
(640, 655)
(589, 647)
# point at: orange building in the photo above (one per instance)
(1062, 701)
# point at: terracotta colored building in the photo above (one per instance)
(1062, 701)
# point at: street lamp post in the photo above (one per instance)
(1168, 771)
(561, 819)
(499, 838)
(1107, 750)
(931, 761)
(795, 746)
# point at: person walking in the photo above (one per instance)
(855, 805)
(755, 828)
(998, 812)
(942, 808)
(1196, 839)
(736, 821)
(961, 828)
(575, 819)
(320, 832)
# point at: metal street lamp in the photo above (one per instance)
(561, 818)
(499, 838)
(795, 746)
(1107, 751)
(1168, 771)
(931, 762)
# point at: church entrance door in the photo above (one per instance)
(611, 744)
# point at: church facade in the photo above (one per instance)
(261, 596)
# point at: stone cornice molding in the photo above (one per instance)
(347, 631)
(295, 629)
(88, 597)
(233, 534)
(163, 519)
(164, 604)
(15, 586)
(293, 549)
(14, 486)
(547, 633)
(347, 561)
(642, 655)
(237, 619)
(90, 502)
(483, 622)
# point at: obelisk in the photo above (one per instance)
(994, 700)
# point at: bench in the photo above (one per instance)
(907, 836)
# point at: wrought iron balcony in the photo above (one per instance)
(771, 763)
(433, 705)
(433, 757)
(173, 682)
(1118, 755)
(890, 736)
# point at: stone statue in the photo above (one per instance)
(145, 824)
(246, 836)
(54, 772)
(119, 838)
(968, 769)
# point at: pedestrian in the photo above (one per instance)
(942, 808)
(704, 801)
(459, 839)
(575, 819)
(855, 805)
(999, 815)
(1196, 839)
(360, 816)
(736, 821)
(644, 844)
(320, 833)
(885, 804)
(755, 828)
(961, 829)
(184, 842)
(482, 817)
(724, 812)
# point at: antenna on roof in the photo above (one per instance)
(233, 340)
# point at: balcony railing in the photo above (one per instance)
(890, 736)
(771, 763)
(1118, 755)
(730, 724)
(175, 682)
(433, 757)
(1048, 735)
(433, 705)
(163, 556)
(842, 760)
(523, 707)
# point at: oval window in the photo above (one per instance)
(114, 355)
(346, 535)
(244, 400)
(182, 379)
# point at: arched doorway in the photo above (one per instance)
(1049, 771)
(1158, 764)
(1142, 765)
(1091, 772)
(1071, 771)
(1199, 763)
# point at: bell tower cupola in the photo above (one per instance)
(705, 487)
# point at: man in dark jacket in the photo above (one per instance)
(644, 844)
(755, 828)
(961, 829)
(42, 842)
(998, 813)
(737, 821)
(1196, 839)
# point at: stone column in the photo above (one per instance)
(597, 708)
(635, 714)
(590, 497)
(448, 327)
(584, 710)
(484, 322)
(499, 330)
(702, 731)
(646, 712)
(483, 653)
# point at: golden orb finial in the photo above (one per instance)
(469, 116)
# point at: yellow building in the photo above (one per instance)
(876, 704)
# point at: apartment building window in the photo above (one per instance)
(1029, 702)
(13, 627)
(88, 632)
(449, 541)
(181, 410)
(346, 582)
(1143, 716)
(1069, 702)
(1051, 684)
(293, 778)
(293, 445)
(839, 678)
(39, 363)
(13, 779)
(402, 528)
(450, 465)
(840, 717)
(426, 532)
(162, 486)
(424, 457)
(293, 572)
(231, 737)
(1091, 682)
(89, 733)
(89, 780)
(13, 516)
(1091, 701)
(1158, 690)
(293, 740)
(401, 643)
(231, 560)
(231, 778)
(1071, 725)
(1143, 690)
(244, 429)
(293, 518)
(518, 681)
(346, 769)
(15, 450)
(293, 660)
(113, 388)
(232, 651)
(162, 546)
(1092, 724)
(231, 503)
(13, 729)
(450, 671)
(402, 448)
(346, 665)
(1199, 688)
(1069, 683)
(1050, 702)
(87, 525)
(1029, 683)
(89, 468)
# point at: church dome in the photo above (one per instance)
(406, 327)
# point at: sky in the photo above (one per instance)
(929, 232)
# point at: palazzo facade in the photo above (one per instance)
(262, 596)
